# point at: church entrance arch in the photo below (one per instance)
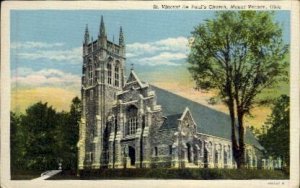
(131, 153)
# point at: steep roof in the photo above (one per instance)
(171, 121)
(208, 120)
(134, 78)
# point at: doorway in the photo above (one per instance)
(131, 153)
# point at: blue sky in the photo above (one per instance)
(46, 44)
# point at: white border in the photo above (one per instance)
(148, 5)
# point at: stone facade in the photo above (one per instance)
(123, 126)
(102, 76)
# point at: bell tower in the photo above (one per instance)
(103, 74)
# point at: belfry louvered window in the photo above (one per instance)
(117, 76)
(109, 73)
(90, 74)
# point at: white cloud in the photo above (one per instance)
(129, 55)
(173, 44)
(71, 56)
(178, 44)
(170, 51)
(164, 58)
(44, 77)
(21, 71)
(162, 52)
(35, 50)
(33, 44)
(136, 49)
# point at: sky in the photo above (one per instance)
(46, 49)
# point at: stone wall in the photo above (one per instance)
(98, 96)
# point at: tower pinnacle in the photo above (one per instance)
(132, 67)
(121, 38)
(102, 32)
(86, 35)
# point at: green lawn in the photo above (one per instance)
(198, 174)
(25, 174)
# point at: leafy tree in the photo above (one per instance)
(14, 124)
(39, 124)
(238, 54)
(276, 139)
(61, 140)
(42, 137)
(17, 138)
(69, 130)
(75, 115)
(255, 131)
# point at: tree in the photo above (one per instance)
(61, 139)
(39, 125)
(71, 134)
(67, 135)
(17, 139)
(276, 139)
(75, 116)
(238, 54)
(42, 137)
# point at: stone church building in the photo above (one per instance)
(127, 123)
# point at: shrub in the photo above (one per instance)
(168, 173)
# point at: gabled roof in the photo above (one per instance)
(134, 78)
(186, 112)
(208, 120)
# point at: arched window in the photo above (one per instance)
(254, 161)
(225, 157)
(189, 152)
(90, 76)
(90, 156)
(117, 77)
(205, 157)
(132, 120)
(91, 94)
(200, 148)
(170, 150)
(155, 151)
(109, 73)
(249, 159)
(216, 157)
(116, 125)
(132, 125)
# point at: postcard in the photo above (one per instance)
(155, 94)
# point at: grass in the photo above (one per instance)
(25, 174)
(196, 174)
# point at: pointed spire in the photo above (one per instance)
(102, 32)
(86, 28)
(121, 38)
(86, 35)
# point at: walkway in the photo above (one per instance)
(47, 174)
